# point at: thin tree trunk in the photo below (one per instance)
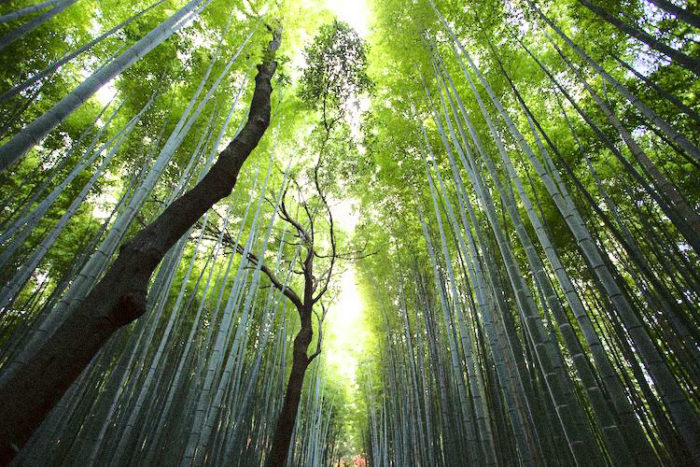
(647, 112)
(55, 66)
(682, 13)
(292, 397)
(30, 135)
(676, 56)
(32, 24)
(26, 11)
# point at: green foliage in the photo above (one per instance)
(377, 158)
(335, 71)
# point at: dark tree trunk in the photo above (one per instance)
(676, 56)
(682, 13)
(287, 419)
(28, 392)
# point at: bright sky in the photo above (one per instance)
(345, 325)
(354, 12)
(345, 330)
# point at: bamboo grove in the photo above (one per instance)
(527, 242)
(554, 320)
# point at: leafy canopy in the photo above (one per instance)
(336, 69)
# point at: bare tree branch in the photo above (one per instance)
(320, 320)
(331, 229)
(288, 292)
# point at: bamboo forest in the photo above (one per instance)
(349, 233)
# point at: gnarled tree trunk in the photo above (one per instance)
(29, 392)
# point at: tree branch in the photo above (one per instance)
(288, 292)
(320, 320)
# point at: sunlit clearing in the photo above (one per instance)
(346, 330)
(106, 93)
(345, 216)
(344, 326)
